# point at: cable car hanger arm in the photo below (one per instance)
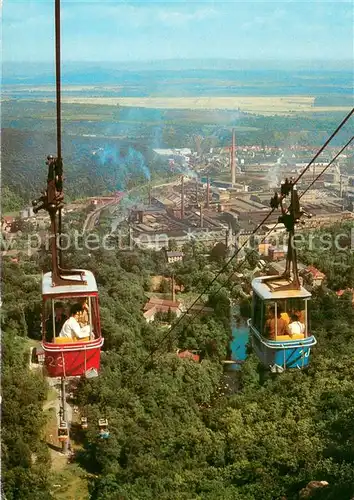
(52, 200)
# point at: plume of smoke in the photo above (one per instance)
(274, 174)
(120, 164)
(184, 169)
(156, 139)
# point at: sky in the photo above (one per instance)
(120, 30)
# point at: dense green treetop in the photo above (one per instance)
(177, 429)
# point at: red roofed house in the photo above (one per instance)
(310, 273)
(156, 305)
(277, 253)
(7, 223)
(340, 293)
(149, 315)
(188, 355)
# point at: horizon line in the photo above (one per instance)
(221, 60)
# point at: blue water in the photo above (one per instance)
(239, 342)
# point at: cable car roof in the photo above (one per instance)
(80, 288)
(265, 293)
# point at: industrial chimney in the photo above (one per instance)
(182, 198)
(150, 195)
(173, 288)
(201, 215)
(208, 193)
(233, 172)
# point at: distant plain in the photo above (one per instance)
(263, 105)
(264, 92)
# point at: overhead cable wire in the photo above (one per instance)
(343, 122)
(326, 167)
(264, 238)
(58, 111)
(180, 319)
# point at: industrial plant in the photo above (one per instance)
(223, 194)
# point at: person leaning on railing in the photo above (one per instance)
(83, 314)
(296, 326)
(275, 325)
(72, 329)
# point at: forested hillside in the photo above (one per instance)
(107, 148)
(92, 166)
(25, 457)
(176, 432)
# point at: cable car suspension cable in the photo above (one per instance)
(326, 167)
(58, 109)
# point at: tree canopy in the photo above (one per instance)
(177, 429)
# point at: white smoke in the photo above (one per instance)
(274, 174)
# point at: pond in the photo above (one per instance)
(239, 340)
(240, 334)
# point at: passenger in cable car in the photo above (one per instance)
(296, 326)
(275, 325)
(72, 329)
(59, 319)
(83, 314)
(283, 314)
(300, 314)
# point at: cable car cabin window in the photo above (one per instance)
(307, 318)
(95, 324)
(70, 320)
(285, 318)
(293, 311)
(273, 325)
(258, 313)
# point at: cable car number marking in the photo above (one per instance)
(53, 362)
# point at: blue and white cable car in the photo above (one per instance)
(280, 325)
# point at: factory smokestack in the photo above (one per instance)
(196, 190)
(173, 288)
(149, 194)
(340, 186)
(182, 198)
(233, 172)
(341, 194)
(201, 215)
(208, 193)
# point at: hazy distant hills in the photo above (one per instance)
(109, 147)
(156, 73)
(37, 81)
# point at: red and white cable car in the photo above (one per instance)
(71, 345)
(66, 357)
(63, 431)
(70, 349)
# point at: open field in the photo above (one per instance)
(275, 105)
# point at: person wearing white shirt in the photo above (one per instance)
(295, 326)
(72, 329)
